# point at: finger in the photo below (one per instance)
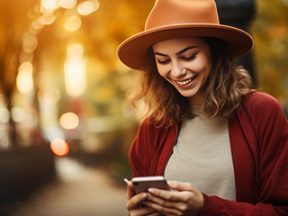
(163, 209)
(188, 192)
(135, 201)
(173, 196)
(143, 211)
(181, 186)
(193, 198)
(155, 213)
(181, 206)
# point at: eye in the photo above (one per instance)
(163, 62)
(189, 57)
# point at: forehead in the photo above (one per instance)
(174, 45)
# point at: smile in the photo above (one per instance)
(187, 82)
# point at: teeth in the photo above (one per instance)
(185, 82)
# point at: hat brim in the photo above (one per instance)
(133, 51)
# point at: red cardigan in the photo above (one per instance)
(259, 143)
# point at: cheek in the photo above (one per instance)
(201, 65)
(162, 70)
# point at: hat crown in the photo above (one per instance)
(179, 12)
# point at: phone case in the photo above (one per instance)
(141, 184)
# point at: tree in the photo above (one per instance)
(14, 22)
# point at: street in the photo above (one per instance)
(80, 191)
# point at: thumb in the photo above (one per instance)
(130, 190)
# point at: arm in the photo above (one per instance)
(141, 154)
(151, 148)
(140, 158)
(270, 127)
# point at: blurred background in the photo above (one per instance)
(65, 129)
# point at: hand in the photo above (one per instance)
(183, 199)
(135, 203)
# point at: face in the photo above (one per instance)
(186, 64)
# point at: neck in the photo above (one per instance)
(196, 100)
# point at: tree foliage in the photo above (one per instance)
(270, 30)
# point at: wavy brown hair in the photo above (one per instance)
(223, 90)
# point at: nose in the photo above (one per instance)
(178, 70)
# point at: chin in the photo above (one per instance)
(189, 93)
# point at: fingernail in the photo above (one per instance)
(151, 190)
(126, 180)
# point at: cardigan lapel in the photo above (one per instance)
(244, 159)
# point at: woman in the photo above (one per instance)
(224, 144)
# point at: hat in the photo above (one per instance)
(170, 19)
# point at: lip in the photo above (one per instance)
(186, 83)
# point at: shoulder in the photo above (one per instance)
(261, 102)
(262, 108)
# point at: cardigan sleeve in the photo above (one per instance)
(271, 130)
(145, 149)
(152, 147)
(140, 153)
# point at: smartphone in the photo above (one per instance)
(142, 184)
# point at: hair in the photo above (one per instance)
(223, 90)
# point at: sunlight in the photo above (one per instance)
(75, 70)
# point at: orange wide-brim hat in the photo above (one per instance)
(170, 19)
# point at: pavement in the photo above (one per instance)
(79, 191)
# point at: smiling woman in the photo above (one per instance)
(205, 125)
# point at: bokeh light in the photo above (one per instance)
(18, 114)
(75, 70)
(75, 50)
(4, 115)
(30, 43)
(69, 121)
(59, 147)
(49, 5)
(88, 7)
(47, 19)
(67, 4)
(24, 80)
(73, 23)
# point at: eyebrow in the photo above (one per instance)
(178, 53)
